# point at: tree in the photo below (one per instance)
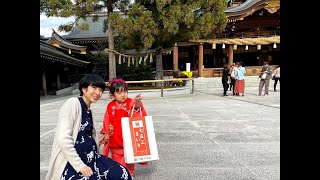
(81, 9)
(161, 23)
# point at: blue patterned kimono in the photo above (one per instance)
(102, 167)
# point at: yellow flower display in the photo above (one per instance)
(188, 74)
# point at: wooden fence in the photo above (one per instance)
(162, 82)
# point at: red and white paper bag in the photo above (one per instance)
(139, 141)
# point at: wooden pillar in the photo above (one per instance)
(175, 57)
(200, 68)
(44, 83)
(58, 81)
(230, 52)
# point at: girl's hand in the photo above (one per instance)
(103, 139)
(110, 129)
(138, 99)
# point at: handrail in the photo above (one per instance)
(161, 81)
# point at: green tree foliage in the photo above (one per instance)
(81, 9)
(135, 73)
(131, 73)
(101, 64)
(161, 23)
(148, 23)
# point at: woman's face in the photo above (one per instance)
(120, 96)
(92, 94)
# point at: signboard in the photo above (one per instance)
(139, 141)
(188, 67)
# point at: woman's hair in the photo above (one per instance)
(117, 85)
(93, 80)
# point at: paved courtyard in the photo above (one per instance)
(203, 136)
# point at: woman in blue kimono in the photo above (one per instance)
(74, 152)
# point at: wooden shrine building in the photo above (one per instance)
(62, 64)
(252, 35)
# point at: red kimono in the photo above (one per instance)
(112, 116)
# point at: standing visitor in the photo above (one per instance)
(240, 71)
(232, 78)
(264, 81)
(225, 79)
(276, 77)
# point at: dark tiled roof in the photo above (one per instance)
(50, 52)
(244, 7)
(95, 29)
(65, 44)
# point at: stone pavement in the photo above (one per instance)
(201, 136)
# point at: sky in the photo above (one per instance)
(46, 24)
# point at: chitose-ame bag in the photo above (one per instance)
(139, 141)
(263, 76)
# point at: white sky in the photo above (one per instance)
(46, 24)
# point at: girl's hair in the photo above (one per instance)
(93, 80)
(117, 85)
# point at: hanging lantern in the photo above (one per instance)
(258, 47)
(274, 45)
(213, 45)
(247, 47)
(223, 46)
(69, 51)
(55, 44)
(235, 47)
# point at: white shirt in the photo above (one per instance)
(277, 72)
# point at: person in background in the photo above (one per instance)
(240, 71)
(232, 78)
(276, 77)
(120, 106)
(75, 146)
(225, 79)
(265, 82)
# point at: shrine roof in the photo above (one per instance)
(249, 6)
(95, 29)
(60, 42)
(51, 52)
(56, 38)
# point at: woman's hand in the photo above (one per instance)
(103, 139)
(86, 171)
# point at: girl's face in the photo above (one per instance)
(120, 96)
(91, 94)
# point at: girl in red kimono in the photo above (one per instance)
(120, 106)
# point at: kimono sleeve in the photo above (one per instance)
(106, 121)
